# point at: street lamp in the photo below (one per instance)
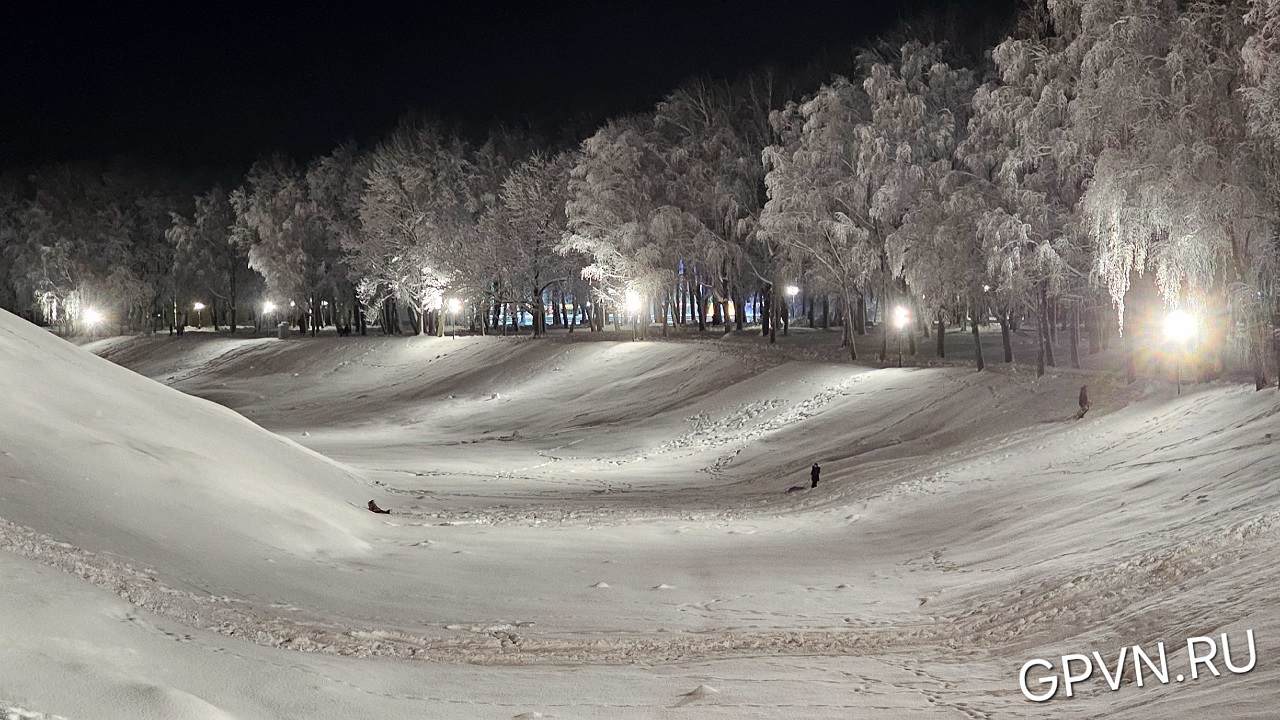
(92, 317)
(268, 313)
(455, 307)
(901, 317)
(634, 302)
(1179, 329)
(199, 308)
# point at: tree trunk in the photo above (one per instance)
(826, 312)
(1039, 353)
(884, 334)
(1074, 334)
(941, 334)
(849, 333)
(1257, 351)
(418, 318)
(1005, 323)
(1045, 328)
(767, 315)
(977, 344)
(860, 316)
(233, 301)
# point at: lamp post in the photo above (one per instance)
(455, 307)
(634, 302)
(900, 320)
(1179, 328)
(199, 308)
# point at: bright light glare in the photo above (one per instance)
(986, 288)
(455, 305)
(792, 290)
(901, 317)
(633, 301)
(268, 307)
(1179, 326)
(92, 316)
(198, 306)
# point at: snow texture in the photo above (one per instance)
(169, 558)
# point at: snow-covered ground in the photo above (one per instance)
(599, 529)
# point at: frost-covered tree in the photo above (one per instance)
(927, 205)
(291, 248)
(84, 236)
(709, 135)
(336, 184)
(525, 230)
(1024, 141)
(807, 212)
(211, 254)
(612, 214)
(418, 215)
(1184, 202)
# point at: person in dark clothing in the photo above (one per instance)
(813, 475)
(1085, 404)
(373, 507)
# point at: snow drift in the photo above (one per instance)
(103, 458)
(611, 517)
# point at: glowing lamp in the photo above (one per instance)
(93, 316)
(901, 317)
(1179, 326)
(455, 305)
(792, 291)
(268, 307)
(633, 301)
(198, 306)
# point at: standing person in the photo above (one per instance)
(1085, 404)
(813, 475)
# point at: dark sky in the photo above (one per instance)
(214, 85)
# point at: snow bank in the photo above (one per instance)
(103, 458)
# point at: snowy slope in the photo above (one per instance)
(100, 457)
(609, 518)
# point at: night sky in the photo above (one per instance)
(215, 86)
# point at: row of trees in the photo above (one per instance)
(1106, 159)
